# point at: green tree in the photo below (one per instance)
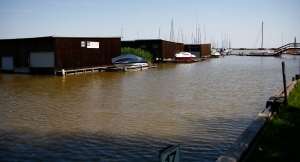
(138, 52)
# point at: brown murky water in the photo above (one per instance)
(107, 116)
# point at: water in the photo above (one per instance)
(130, 116)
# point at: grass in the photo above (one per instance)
(280, 139)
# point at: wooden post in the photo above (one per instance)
(284, 82)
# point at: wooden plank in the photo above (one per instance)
(245, 141)
(270, 101)
(291, 87)
(233, 154)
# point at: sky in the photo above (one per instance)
(207, 21)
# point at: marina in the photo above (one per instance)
(153, 81)
(203, 107)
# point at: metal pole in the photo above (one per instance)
(284, 82)
(262, 37)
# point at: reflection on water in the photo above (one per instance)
(107, 116)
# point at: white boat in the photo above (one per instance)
(261, 53)
(224, 51)
(185, 56)
(215, 53)
(129, 61)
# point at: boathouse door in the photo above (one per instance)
(42, 59)
(197, 54)
(7, 63)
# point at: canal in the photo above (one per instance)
(129, 116)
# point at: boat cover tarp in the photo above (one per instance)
(128, 58)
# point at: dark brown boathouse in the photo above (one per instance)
(200, 50)
(51, 54)
(162, 49)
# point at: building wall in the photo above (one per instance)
(159, 49)
(205, 50)
(171, 48)
(68, 53)
(20, 50)
(71, 55)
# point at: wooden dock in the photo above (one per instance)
(179, 61)
(115, 69)
(239, 149)
(102, 69)
(78, 71)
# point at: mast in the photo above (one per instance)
(262, 37)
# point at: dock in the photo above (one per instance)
(78, 71)
(102, 69)
(179, 61)
(125, 69)
(239, 149)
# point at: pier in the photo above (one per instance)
(239, 149)
(279, 50)
(102, 69)
(78, 71)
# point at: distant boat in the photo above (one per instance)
(262, 52)
(129, 61)
(215, 53)
(185, 56)
(224, 51)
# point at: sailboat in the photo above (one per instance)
(262, 52)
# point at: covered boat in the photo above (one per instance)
(185, 56)
(129, 61)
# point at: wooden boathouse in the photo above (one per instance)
(52, 54)
(200, 50)
(162, 49)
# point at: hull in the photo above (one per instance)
(186, 58)
(223, 53)
(130, 65)
(215, 54)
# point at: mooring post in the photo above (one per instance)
(284, 82)
(63, 72)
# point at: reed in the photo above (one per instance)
(138, 52)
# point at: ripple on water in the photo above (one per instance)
(203, 107)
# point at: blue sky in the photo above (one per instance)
(237, 21)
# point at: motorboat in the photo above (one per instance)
(185, 56)
(129, 61)
(215, 53)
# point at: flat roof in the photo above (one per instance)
(58, 36)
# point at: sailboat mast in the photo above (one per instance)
(262, 37)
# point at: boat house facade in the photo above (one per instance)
(54, 53)
(162, 49)
(199, 50)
